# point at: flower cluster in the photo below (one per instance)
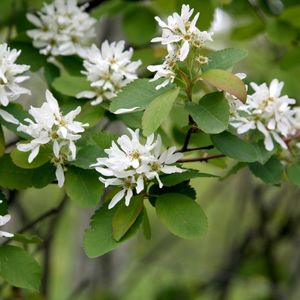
(269, 112)
(50, 126)
(10, 77)
(108, 70)
(180, 35)
(130, 164)
(63, 28)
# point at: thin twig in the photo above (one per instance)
(196, 148)
(205, 159)
(42, 217)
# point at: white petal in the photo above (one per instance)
(60, 176)
(125, 110)
(4, 219)
(116, 199)
(8, 117)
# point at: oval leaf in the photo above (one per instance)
(181, 215)
(158, 110)
(98, 239)
(125, 216)
(20, 158)
(270, 172)
(226, 81)
(234, 147)
(83, 186)
(211, 114)
(19, 268)
(138, 93)
(224, 59)
(70, 85)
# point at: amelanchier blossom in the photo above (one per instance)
(108, 70)
(131, 164)
(10, 78)
(49, 126)
(180, 35)
(3, 220)
(63, 28)
(267, 111)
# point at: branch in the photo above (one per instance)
(207, 158)
(196, 149)
(42, 217)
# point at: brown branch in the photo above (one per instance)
(39, 219)
(205, 159)
(196, 148)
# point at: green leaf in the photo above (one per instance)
(261, 153)
(72, 64)
(20, 158)
(293, 172)
(50, 72)
(134, 27)
(270, 172)
(224, 59)
(158, 110)
(90, 114)
(2, 142)
(181, 188)
(98, 239)
(87, 156)
(176, 178)
(181, 215)
(234, 147)
(139, 93)
(211, 114)
(14, 177)
(70, 85)
(125, 216)
(104, 139)
(83, 186)
(19, 268)
(291, 15)
(226, 81)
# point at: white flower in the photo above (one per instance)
(10, 75)
(63, 28)
(50, 126)
(131, 164)
(268, 112)
(108, 70)
(166, 70)
(180, 34)
(3, 220)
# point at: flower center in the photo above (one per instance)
(135, 154)
(155, 167)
